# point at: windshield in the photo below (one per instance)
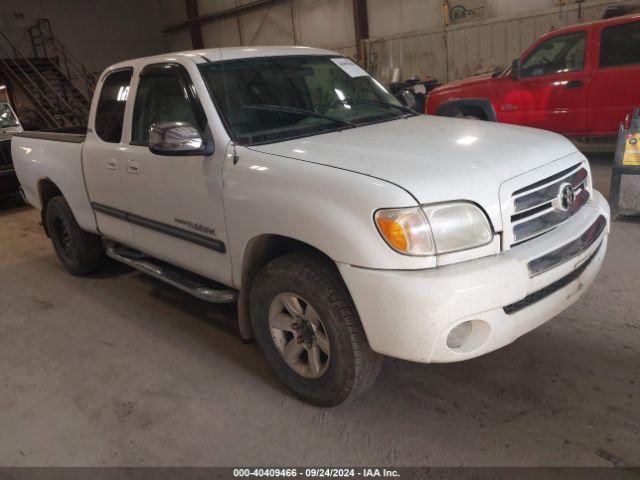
(7, 117)
(272, 99)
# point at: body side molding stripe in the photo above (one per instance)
(172, 231)
(112, 212)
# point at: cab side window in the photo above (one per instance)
(161, 97)
(564, 53)
(110, 110)
(620, 45)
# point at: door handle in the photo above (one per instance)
(112, 163)
(132, 167)
(575, 84)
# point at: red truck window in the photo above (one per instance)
(620, 45)
(564, 53)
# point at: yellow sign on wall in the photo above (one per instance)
(632, 150)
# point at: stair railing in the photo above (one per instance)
(12, 63)
(50, 119)
(47, 45)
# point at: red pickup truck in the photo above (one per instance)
(580, 81)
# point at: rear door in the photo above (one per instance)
(175, 202)
(101, 156)
(551, 92)
(615, 83)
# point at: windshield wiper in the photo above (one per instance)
(349, 100)
(299, 111)
(378, 102)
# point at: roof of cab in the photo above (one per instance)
(227, 53)
(606, 22)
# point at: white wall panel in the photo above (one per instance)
(324, 23)
(270, 26)
(393, 17)
(316, 23)
(222, 33)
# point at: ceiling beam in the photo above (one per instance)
(197, 41)
(361, 24)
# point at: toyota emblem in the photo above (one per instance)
(567, 196)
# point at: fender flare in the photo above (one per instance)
(483, 103)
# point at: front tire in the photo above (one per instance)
(308, 328)
(79, 252)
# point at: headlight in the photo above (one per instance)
(458, 226)
(434, 229)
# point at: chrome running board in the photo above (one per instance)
(186, 281)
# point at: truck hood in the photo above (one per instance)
(435, 159)
(467, 82)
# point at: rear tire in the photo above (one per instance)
(326, 320)
(79, 252)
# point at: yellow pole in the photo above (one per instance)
(445, 13)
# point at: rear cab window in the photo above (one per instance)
(620, 45)
(111, 105)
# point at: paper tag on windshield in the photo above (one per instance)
(350, 68)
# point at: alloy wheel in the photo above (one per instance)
(299, 335)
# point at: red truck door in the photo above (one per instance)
(615, 83)
(551, 91)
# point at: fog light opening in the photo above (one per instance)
(459, 335)
(468, 336)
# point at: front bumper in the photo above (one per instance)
(409, 314)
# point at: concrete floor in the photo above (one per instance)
(119, 369)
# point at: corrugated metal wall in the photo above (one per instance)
(320, 23)
(464, 50)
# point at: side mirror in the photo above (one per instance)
(408, 99)
(177, 139)
(515, 69)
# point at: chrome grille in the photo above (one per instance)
(542, 206)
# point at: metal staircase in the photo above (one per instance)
(55, 81)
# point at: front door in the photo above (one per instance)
(175, 202)
(101, 158)
(551, 91)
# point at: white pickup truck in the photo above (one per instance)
(345, 226)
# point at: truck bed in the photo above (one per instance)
(45, 160)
